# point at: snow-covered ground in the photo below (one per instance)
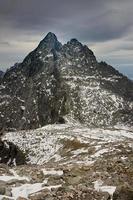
(13, 177)
(50, 142)
(26, 189)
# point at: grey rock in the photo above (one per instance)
(1, 74)
(2, 190)
(123, 194)
(10, 154)
(8, 192)
(74, 180)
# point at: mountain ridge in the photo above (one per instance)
(55, 81)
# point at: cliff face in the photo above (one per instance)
(56, 81)
(1, 75)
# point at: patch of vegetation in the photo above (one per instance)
(73, 144)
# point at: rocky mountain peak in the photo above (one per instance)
(74, 41)
(50, 36)
(50, 41)
(56, 82)
(74, 44)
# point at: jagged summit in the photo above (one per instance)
(56, 82)
(50, 41)
(74, 41)
(50, 36)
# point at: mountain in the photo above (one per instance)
(84, 151)
(56, 83)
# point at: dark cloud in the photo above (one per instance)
(94, 20)
(27, 22)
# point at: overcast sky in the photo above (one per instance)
(106, 26)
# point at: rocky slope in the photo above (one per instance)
(70, 162)
(58, 80)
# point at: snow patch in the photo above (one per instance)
(98, 185)
(27, 189)
(14, 176)
(52, 172)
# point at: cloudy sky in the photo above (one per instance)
(106, 26)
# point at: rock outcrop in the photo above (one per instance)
(10, 154)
